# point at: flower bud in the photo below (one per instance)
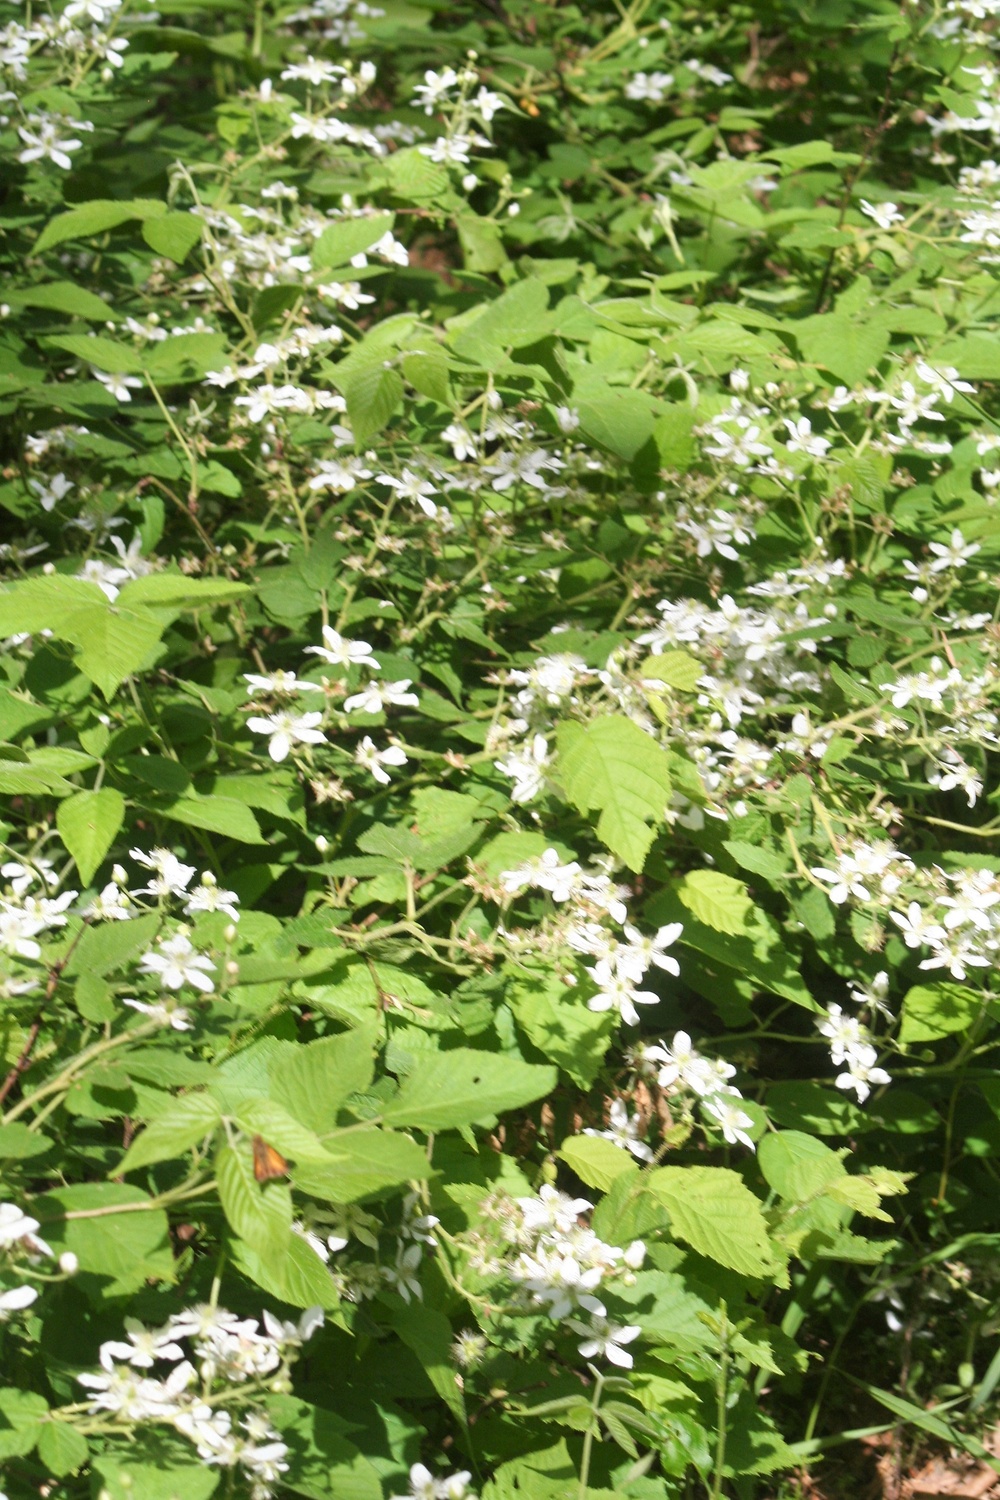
(68, 1263)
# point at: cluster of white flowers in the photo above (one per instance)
(592, 901)
(226, 1354)
(286, 728)
(851, 1048)
(561, 1264)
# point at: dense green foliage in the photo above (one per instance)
(498, 741)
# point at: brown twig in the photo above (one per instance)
(24, 1058)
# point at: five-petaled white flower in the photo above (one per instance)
(285, 730)
(375, 760)
(177, 962)
(337, 651)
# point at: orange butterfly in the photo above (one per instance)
(267, 1162)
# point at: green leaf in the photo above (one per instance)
(62, 1448)
(64, 297)
(596, 1162)
(757, 859)
(713, 1210)
(932, 1011)
(340, 242)
(798, 1166)
(173, 234)
(363, 1162)
(847, 349)
(128, 1480)
(215, 814)
(314, 1080)
(101, 950)
(102, 353)
(676, 668)
(88, 824)
(18, 1143)
(614, 768)
(95, 217)
(188, 1121)
(323, 1464)
(717, 900)
(560, 1024)
(516, 318)
(462, 1087)
(175, 591)
(372, 394)
(260, 1215)
(279, 1128)
(118, 1236)
(298, 1276)
(428, 1333)
(22, 1417)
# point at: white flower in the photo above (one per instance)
(733, 1121)
(526, 768)
(615, 992)
(209, 896)
(285, 730)
(339, 475)
(604, 1340)
(120, 386)
(884, 214)
(862, 1073)
(16, 1300)
(171, 877)
(918, 927)
(402, 1276)
(50, 493)
(45, 142)
(17, 1227)
(339, 652)
(954, 554)
(410, 486)
(845, 1033)
(463, 444)
(17, 931)
(373, 698)
(374, 760)
(435, 88)
(178, 963)
(802, 439)
(166, 1012)
(23, 876)
(624, 1132)
(145, 1346)
(109, 905)
(635, 959)
(279, 682)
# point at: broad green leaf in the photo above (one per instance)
(757, 859)
(215, 814)
(676, 668)
(560, 1024)
(22, 1417)
(314, 1080)
(372, 394)
(461, 1087)
(120, 1239)
(88, 824)
(174, 591)
(847, 349)
(173, 234)
(190, 1119)
(595, 1161)
(323, 1463)
(18, 1143)
(714, 1212)
(62, 1448)
(103, 949)
(298, 1276)
(127, 1480)
(717, 900)
(341, 241)
(279, 1128)
(102, 353)
(363, 1161)
(65, 297)
(260, 1215)
(612, 767)
(95, 217)
(428, 1333)
(516, 318)
(798, 1166)
(932, 1011)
